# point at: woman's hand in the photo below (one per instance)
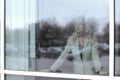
(70, 57)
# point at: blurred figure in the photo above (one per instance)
(81, 44)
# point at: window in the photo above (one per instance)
(0, 35)
(36, 45)
(62, 39)
(117, 40)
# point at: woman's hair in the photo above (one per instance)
(88, 30)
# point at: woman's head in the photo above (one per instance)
(79, 28)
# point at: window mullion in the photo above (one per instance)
(57, 75)
(2, 37)
(111, 39)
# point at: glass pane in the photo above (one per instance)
(0, 37)
(14, 77)
(64, 36)
(20, 38)
(117, 39)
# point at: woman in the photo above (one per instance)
(82, 45)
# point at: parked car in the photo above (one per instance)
(50, 52)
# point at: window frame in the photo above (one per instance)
(111, 76)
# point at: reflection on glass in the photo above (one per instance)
(68, 37)
(20, 34)
(14, 77)
(62, 39)
(117, 39)
(74, 48)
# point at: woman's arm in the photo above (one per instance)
(61, 58)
